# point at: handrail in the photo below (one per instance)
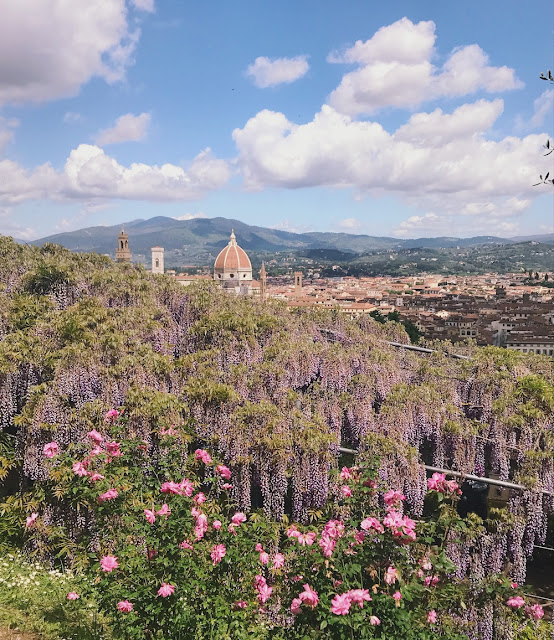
(413, 347)
(466, 476)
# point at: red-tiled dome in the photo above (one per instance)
(232, 257)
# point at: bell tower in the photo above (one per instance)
(298, 283)
(263, 282)
(157, 259)
(123, 253)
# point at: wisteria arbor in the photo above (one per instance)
(274, 392)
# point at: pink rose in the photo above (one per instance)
(327, 545)
(164, 511)
(264, 593)
(166, 590)
(79, 469)
(204, 456)
(516, 603)
(397, 596)
(340, 605)
(374, 620)
(346, 491)
(31, 520)
(94, 477)
(226, 486)
(108, 563)
(240, 604)
(296, 606)
(307, 538)
(171, 487)
(391, 575)
(238, 518)
(346, 474)
(223, 471)
(150, 516)
(73, 596)
(113, 449)
(536, 612)
(125, 606)
(186, 545)
(95, 436)
(393, 498)
(199, 498)
(264, 557)
(216, 525)
(111, 416)
(372, 523)
(50, 450)
(359, 596)
(432, 617)
(278, 560)
(309, 596)
(218, 553)
(111, 494)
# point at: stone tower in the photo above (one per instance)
(157, 259)
(263, 282)
(123, 254)
(298, 283)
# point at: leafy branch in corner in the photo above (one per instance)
(549, 149)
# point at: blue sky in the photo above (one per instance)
(400, 118)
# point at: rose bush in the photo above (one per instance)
(165, 553)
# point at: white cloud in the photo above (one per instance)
(90, 174)
(439, 162)
(144, 5)
(49, 49)
(6, 131)
(543, 106)
(438, 128)
(71, 117)
(191, 216)
(266, 72)
(287, 225)
(349, 224)
(432, 224)
(128, 128)
(395, 70)
(9, 228)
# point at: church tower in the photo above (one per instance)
(263, 282)
(157, 259)
(298, 283)
(123, 253)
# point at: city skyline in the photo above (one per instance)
(391, 120)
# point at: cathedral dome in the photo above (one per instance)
(233, 267)
(232, 257)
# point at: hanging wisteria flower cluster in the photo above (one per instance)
(274, 392)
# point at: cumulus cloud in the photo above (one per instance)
(395, 70)
(90, 174)
(128, 128)
(266, 72)
(191, 216)
(438, 161)
(49, 49)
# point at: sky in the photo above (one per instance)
(395, 118)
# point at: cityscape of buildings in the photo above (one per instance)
(491, 309)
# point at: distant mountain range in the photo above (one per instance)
(199, 240)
